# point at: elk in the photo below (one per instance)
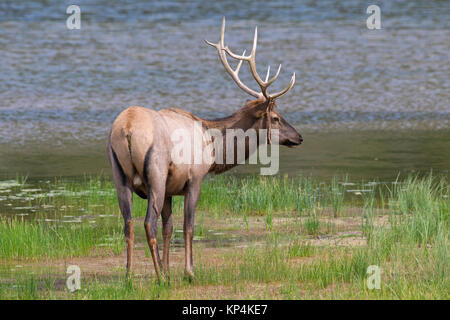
(139, 151)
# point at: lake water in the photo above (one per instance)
(370, 103)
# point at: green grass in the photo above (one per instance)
(336, 195)
(21, 239)
(221, 195)
(260, 195)
(405, 224)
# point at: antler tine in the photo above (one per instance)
(251, 61)
(291, 84)
(274, 77)
(268, 73)
(239, 64)
(223, 58)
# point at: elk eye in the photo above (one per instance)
(276, 119)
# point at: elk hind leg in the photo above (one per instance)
(155, 174)
(155, 203)
(124, 197)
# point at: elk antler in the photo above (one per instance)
(223, 58)
(251, 60)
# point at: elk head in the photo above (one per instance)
(263, 109)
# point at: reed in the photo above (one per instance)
(22, 239)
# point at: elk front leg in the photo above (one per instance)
(190, 202)
(167, 230)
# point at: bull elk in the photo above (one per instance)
(139, 151)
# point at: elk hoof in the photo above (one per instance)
(189, 275)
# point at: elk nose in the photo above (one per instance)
(300, 138)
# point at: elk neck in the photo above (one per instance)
(243, 119)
